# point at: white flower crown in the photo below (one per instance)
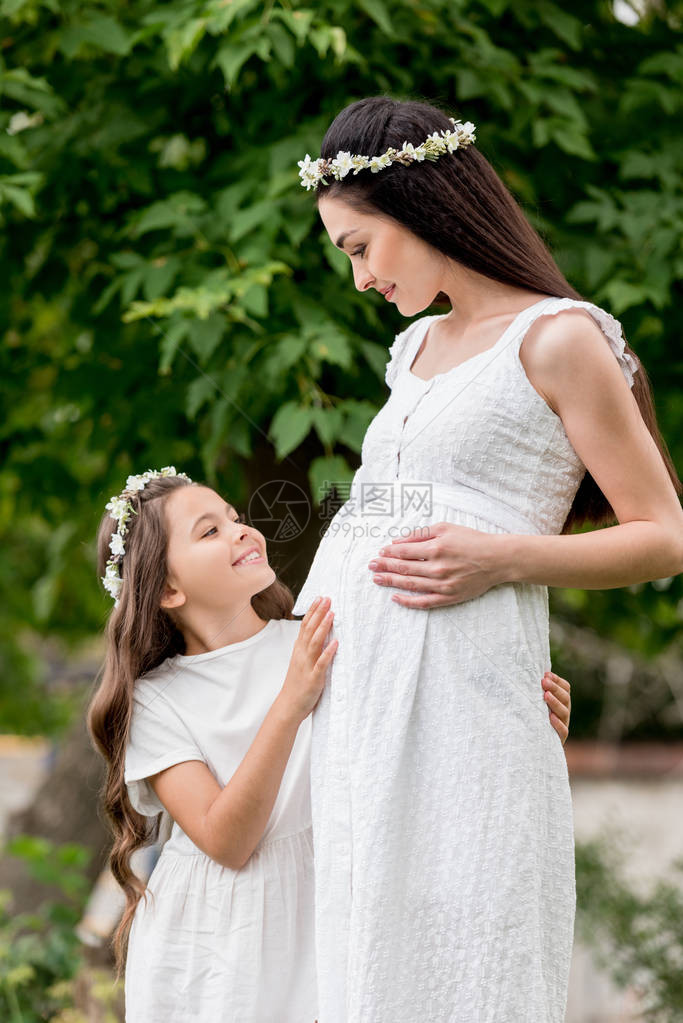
(120, 509)
(313, 172)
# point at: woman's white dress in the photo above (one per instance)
(441, 809)
(210, 944)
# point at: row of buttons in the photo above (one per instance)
(405, 420)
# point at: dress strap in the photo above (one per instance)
(404, 348)
(399, 351)
(610, 327)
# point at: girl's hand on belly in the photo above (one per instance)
(557, 695)
(440, 565)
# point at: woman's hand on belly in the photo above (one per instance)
(440, 565)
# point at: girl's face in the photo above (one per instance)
(208, 567)
(385, 255)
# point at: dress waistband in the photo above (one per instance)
(400, 498)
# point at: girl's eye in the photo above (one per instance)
(360, 251)
(240, 518)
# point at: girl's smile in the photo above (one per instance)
(252, 556)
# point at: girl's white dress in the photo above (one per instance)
(442, 816)
(215, 944)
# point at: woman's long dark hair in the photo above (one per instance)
(140, 635)
(460, 206)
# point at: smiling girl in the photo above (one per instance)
(203, 712)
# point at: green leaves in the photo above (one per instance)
(221, 290)
(565, 26)
(379, 14)
(633, 931)
(290, 425)
(230, 58)
(29, 90)
(171, 296)
(41, 951)
(178, 213)
(97, 33)
(18, 190)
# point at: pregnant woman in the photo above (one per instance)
(443, 843)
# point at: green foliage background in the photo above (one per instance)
(169, 296)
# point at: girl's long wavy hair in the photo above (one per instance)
(140, 635)
(459, 205)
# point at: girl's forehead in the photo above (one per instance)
(189, 500)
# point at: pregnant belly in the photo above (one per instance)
(378, 513)
(496, 643)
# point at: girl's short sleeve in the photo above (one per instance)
(157, 739)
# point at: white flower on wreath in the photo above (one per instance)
(120, 509)
(112, 581)
(438, 143)
(452, 140)
(116, 544)
(342, 164)
(136, 482)
(377, 163)
(309, 172)
(116, 507)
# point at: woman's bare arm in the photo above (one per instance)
(579, 377)
(573, 369)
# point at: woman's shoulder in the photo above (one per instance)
(561, 321)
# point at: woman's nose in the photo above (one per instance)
(363, 279)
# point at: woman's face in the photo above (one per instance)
(385, 255)
(206, 548)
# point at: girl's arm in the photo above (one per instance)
(227, 823)
(575, 371)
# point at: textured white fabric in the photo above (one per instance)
(442, 816)
(213, 943)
